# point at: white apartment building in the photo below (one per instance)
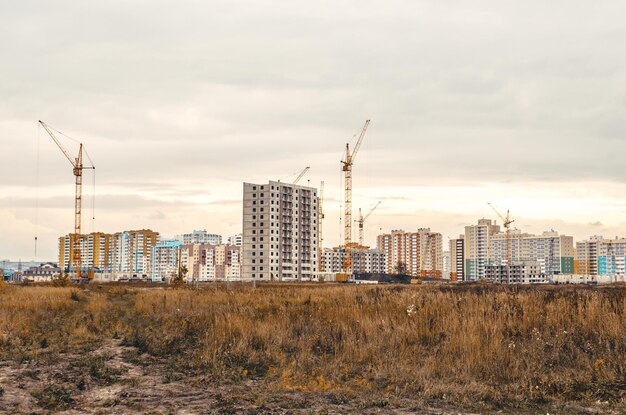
(200, 237)
(554, 253)
(476, 248)
(421, 252)
(280, 232)
(235, 240)
(130, 253)
(364, 261)
(165, 260)
(445, 270)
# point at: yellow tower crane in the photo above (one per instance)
(347, 169)
(506, 221)
(361, 220)
(77, 169)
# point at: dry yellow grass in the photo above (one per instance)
(461, 344)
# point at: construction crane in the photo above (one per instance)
(77, 169)
(348, 162)
(361, 220)
(320, 217)
(506, 221)
(302, 173)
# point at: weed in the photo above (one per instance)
(54, 397)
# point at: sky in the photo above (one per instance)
(520, 104)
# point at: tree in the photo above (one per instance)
(61, 280)
(179, 279)
(401, 268)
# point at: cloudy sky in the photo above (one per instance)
(521, 104)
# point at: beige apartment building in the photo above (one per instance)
(206, 262)
(421, 252)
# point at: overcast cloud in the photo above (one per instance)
(522, 104)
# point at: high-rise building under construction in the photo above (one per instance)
(280, 232)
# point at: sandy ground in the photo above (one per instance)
(117, 380)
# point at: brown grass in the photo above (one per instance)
(492, 345)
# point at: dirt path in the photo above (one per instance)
(115, 379)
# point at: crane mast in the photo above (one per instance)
(507, 221)
(347, 169)
(320, 216)
(77, 170)
(362, 220)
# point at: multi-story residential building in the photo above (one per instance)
(165, 260)
(599, 256)
(523, 272)
(125, 252)
(445, 270)
(364, 261)
(94, 251)
(207, 262)
(130, 252)
(200, 237)
(457, 258)
(419, 252)
(555, 253)
(476, 247)
(236, 240)
(280, 232)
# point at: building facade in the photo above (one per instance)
(44, 272)
(364, 261)
(94, 251)
(555, 253)
(476, 248)
(206, 262)
(200, 237)
(126, 252)
(280, 232)
(599, 256)
(524, 272)
(235, 240)
(165, 260)
(457, 258)
(131, 252)
(420, 253)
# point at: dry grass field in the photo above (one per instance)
(313, 348)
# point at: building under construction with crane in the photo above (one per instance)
(353, 257)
